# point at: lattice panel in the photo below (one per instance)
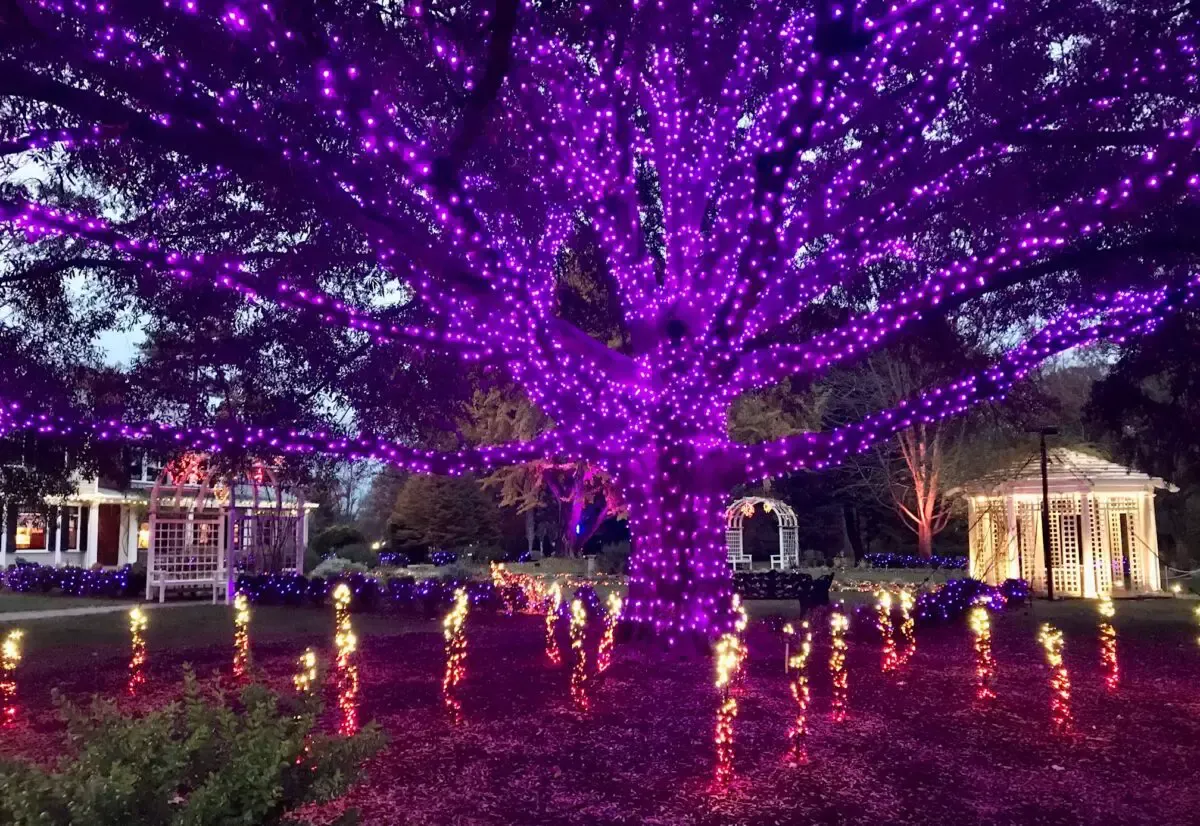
(999, 537)
(1028, 530)
(733, 544)
(983, 556)
(1064, 545)
(187, 550)
(1123, 542)
(1101, 560)
(789, 546)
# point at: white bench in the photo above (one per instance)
(736, 558)
(785, 561)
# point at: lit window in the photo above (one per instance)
(72, 529)
(31, 531)
(143, 536)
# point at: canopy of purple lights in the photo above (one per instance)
(739, 163)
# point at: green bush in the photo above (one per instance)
(336, 565)
(334, 538)
(206, 760)
(360, 553)
(613, 558)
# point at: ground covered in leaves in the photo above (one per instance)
(916, 748)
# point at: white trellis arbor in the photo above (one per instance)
(1102, 528)
(785, 518)
(187, 530)
(203, 529)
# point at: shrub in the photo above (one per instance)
(360, 553)
(613, 558)
(443, 557)
(204, 760)
(330, 540)
(336, 565)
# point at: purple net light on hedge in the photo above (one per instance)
(441, 558)
(71, 580)
(897, 560)
(733, 164)
(367, 593)
(952, 600)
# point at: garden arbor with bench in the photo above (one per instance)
(785, 518)
(204, 529)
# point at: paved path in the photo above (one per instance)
(84, 610)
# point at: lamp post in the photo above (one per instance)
(1042, 434)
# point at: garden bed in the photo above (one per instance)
(916, 749)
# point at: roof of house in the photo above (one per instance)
(1065, 468)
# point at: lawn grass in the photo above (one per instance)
(11, 602)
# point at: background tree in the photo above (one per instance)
(443, 513)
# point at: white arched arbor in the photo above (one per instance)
(785, 518)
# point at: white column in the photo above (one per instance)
(93, 534)
(974, 563)
(1150, 542)
(58, 534)
(3, 535)
(131, 534)
(1014, 559)
(1087, 581)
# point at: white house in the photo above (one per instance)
(1103, 539)
(108, 524)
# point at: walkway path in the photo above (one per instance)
(84, 610)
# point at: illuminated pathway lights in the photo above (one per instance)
(609, 639)
(305, 678)
(1108, 644)
(579, 670)
(454, 630)
(883, 611)
(798, 671)
(731, 653)
(10, 658)
(908, 627)
(1060, 681)
(346, 669)
(241, 635)
(838, 625)
(985, 664)
(138, 621)
(553, 606)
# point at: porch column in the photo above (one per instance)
(1011, 539)
(133, 521)
(3, 536)
(93, 538)
(1087, 580)
(59, 534)
(974, 551)
(1150, 542)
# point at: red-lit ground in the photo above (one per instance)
(915, 748)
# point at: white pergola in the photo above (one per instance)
(785, 518)
(1102, 529)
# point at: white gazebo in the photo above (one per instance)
(785, 518)
(1102, 529)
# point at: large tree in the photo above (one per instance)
(416, 173)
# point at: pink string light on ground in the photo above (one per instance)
(10, 658)
(1060, 681)
(985, 664)
(138, 622)
(798, 670)
(1108, 644)
(454, 630)
(553, 607)
(890, 659)
(608, 641)
(731, 654)
(839, 623)
(345, 668)
(579, 666)
(241, 636)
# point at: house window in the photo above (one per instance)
(143, 536)
(31, 531)
(72, 525)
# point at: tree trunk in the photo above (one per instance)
(924, 539)
(679, 583)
